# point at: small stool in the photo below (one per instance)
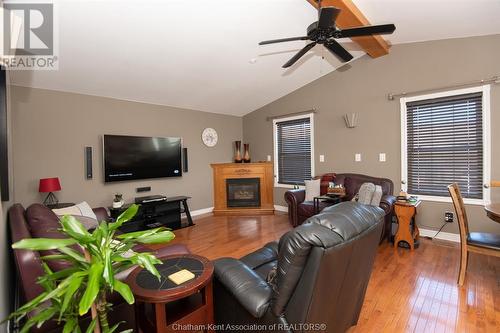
(407, 228)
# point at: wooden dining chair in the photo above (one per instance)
(478, 242)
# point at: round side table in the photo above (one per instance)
(162, 306)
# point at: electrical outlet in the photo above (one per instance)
(357, 157)
(321, 158)
(448, 217)
(269, 158)
(381, 157)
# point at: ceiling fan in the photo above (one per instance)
(324, 31)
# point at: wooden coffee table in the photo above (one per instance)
(162, 306)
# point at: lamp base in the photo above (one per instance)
(50, 199)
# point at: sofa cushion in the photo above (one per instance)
(44, 223)
(306, 208)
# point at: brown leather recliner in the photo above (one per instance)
(39, 221)
(322, 271)
(300, 210)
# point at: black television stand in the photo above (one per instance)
(164, 212)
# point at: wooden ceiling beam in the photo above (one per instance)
(350, 16)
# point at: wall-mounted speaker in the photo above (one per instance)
(88, 162)
(184, 160)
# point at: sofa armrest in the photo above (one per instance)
(101, 213)
(294, 197)
(249, 289)
(387, 203)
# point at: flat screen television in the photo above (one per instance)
(137, 157)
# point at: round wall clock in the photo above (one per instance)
(209, 137)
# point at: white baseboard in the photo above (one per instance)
(447, 236)
(281, 208)
(210, 209)
(199, 212)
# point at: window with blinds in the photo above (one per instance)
(444, 144)
(293, 149)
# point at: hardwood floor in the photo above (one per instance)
(231, 236)
(408, 292)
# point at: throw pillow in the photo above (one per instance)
(377, 196)
(81, 209)
(312, 189)
(366, 193)
(88, 222)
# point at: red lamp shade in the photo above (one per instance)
(49, 185)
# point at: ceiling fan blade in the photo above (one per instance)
(368, 30)
(299, 54)
(327, 17)
(283, 40)
(338, 50)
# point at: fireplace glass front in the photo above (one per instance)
(243, 192)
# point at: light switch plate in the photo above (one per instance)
(357, 157)
(269, 158)
(321, 158)
(381, 157)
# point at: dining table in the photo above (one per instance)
(493, 211)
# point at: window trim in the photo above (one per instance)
(485, 90)
(275, 146)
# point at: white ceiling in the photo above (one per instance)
(197, 56)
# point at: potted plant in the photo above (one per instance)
(73, 292)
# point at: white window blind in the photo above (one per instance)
(444, 144)
(293, 150)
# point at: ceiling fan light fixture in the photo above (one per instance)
(324, 32)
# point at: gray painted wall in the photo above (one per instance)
(362, 88)
(51, 129)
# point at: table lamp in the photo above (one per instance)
(49, 185)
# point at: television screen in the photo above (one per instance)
(137, 157)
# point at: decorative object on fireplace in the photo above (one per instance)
(246, 155)
(237, 153)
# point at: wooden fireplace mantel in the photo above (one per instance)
(261, 170)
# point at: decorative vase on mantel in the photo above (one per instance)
(237, 153)
(246, 154)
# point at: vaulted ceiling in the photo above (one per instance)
(204, 55)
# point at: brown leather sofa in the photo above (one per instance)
(38, 221)
(300, 210)
(322, 269)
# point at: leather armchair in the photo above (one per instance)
(300, 210)
(321, 271)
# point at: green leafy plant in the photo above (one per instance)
(74, 291)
